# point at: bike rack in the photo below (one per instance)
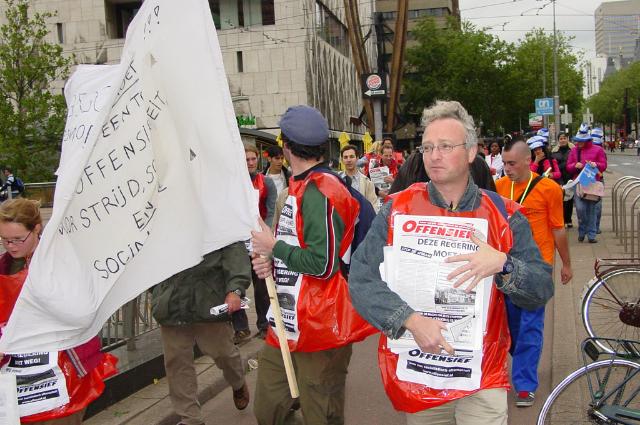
(635, 184)
(633, 230)
(614, 200)
(638, 220)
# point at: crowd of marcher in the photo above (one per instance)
(327, 269)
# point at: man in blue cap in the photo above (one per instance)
(313, 240)
(584, 153)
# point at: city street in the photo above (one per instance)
(366, 402)
(163, 130)
(626, 163)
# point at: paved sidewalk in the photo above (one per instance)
(563, 334)
(151, 405)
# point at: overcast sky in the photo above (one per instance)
(512, 19)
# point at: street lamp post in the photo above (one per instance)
(638, 118)
(556, 97)
(545, 117)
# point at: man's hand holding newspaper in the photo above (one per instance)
(485, 262)
(427, 333)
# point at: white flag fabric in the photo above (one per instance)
(152, 177)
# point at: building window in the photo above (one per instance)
(436, 11)
(228, 14)
(60, 32)
(417, 13)
(389, 16)
(239, 62)
(331, 30)
(214, 5)
(119, 15)
(268, 13)
(240, 6)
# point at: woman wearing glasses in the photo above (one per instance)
(67, 381)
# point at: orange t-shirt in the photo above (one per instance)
(542, 207)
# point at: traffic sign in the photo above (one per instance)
(587, 118)
(535, 121)
(373, 85)
(544, 106)
(566, 118)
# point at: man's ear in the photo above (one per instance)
(472, 152)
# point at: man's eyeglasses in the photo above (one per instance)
(15, 242)
(444, 148)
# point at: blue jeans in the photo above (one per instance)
(598, 214)
(527, 333)
(587, 212)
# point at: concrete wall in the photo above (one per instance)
(288, 64)
(269, 67)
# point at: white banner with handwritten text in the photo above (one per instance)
(152, 176)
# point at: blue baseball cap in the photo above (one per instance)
(304, 125)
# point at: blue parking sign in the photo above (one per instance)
(544, 106)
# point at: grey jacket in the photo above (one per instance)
(529, 286)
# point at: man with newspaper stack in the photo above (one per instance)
(453, 366)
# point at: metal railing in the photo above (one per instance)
(130, 321)
(621, 215)
(42, 192)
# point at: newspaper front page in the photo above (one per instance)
(41, 386)
(377, 176)
(8, 400)
(418, 274)
(288, 282)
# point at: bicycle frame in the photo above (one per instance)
(618, 410)
(604, 266)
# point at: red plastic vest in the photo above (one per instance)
(326, 316)
(412, 397)
(261, 187)
(82, 390)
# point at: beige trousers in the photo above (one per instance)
(486, 407)
(214, 340)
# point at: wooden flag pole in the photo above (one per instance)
(282, 338)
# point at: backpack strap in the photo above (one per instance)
(498, 202)
(534, 182)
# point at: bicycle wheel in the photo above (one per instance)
(615, 292)
(570, 401)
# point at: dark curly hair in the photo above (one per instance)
(304, 151)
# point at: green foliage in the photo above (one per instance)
(607, 105)
(496, 81)
(31, 116)
(464, 64)
(528, 73)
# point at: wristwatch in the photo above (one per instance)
(237, 292)
(508, 266)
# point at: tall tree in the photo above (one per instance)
(460, 63)
(607, 105)
(496, 81)
(31, 115)
(528, 74)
